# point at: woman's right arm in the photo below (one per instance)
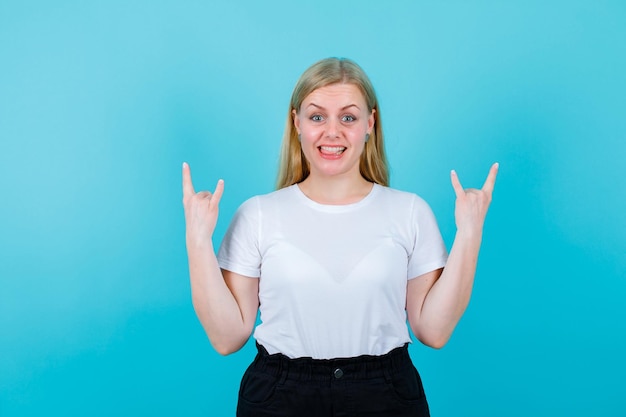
(226, 303)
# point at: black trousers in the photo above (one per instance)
(276, 386)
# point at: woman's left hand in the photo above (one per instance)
(472, 204)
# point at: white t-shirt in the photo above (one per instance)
(333, 278)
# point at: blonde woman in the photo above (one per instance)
(335, 260)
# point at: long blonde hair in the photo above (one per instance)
(293, 167)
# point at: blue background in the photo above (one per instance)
(100, 102)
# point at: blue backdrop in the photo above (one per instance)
(100, 102)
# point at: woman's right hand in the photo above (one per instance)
(201, 209)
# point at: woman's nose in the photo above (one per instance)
(332, 128)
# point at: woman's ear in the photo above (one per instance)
(296, 120)
(371, 120)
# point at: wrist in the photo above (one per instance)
(469, 234)
(199, 243)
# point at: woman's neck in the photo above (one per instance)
(335, 191)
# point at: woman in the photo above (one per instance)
(336, 262)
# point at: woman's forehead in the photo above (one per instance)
(341, 94)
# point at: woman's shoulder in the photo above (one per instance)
(407, 202)
(279, 195)
(272, 197)
(398, 195)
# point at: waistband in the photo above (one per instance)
(360, 367)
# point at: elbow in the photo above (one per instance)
(435, 343)
(228, 345)
(435, 340)
(224, 350)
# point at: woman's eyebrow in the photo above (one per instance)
(343, 108)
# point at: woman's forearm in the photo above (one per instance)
(213, 302)
(449, 296)
(439, 302)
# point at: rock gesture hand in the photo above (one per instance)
(201, 209)
(472, 204)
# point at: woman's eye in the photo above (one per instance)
(348, 118)
(316, 118)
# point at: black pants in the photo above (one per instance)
(277, 386)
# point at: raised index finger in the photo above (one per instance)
(490, 182)
(217, 194)
(187, 185)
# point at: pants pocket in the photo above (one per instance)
(407, 385)
(257, 387)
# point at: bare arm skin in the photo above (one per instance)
(226, 303)
(437, 300)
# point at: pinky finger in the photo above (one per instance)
(456, 183)
(490, 182)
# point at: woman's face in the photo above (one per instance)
(332, 123)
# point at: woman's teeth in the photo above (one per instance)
(332, 149)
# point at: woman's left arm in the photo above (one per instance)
(437, 300)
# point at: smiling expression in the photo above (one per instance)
(333, 122)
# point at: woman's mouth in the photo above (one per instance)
(331, 150)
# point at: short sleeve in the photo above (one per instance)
(239, 251)
(429, 251)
